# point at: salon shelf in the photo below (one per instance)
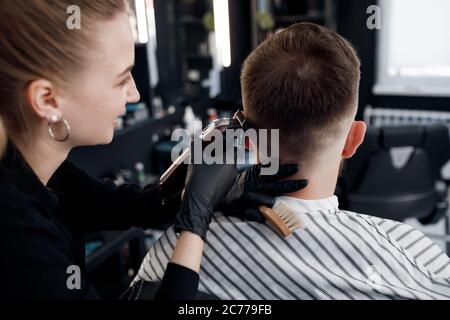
(109, 266)
(191, 20)
(196, 56)
(192, 43)
(286, 13)
(114, 244)
(299, 18)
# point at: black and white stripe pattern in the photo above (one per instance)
(338, 255)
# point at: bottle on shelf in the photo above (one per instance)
(140, 172)
(157, 107)
(212, 115)
(188, 120)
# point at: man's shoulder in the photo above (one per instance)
(383, 223)
(412, 241)
(395, 231)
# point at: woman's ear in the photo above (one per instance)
(354, 138)
(41, 97)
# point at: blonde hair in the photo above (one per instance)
(36, 43)
(3, 139)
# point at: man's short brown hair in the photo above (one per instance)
(303, 81)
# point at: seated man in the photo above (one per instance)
(304, 81)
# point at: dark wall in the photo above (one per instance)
(240, 37)
(141, 74)
(352, 19)
(168, 53)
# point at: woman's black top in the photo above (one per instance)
(41, 227)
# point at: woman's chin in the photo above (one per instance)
(106, 139)
(110, 138)
(98, 138)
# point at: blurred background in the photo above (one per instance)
(189, 55)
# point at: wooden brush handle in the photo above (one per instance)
(275, 220)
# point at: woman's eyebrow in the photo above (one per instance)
(126, 71)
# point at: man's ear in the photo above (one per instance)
(41, 97)
(354, 139)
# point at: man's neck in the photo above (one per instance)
(322, 181)
(44, 157)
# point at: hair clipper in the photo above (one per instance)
(173, 179)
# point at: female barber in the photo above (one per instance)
(62, 88)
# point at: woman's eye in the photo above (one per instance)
(125, 82)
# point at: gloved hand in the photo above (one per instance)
(206, 185)
(171, 192)
(252, 190)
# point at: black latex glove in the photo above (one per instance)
(206, 186)
(170, 192)
(252, 190)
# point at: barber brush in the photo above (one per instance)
(282, 218)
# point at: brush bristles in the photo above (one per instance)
(289, 217)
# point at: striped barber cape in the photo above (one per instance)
(337, 255)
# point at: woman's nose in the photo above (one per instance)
(133, 93)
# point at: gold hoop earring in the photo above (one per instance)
(56, 119)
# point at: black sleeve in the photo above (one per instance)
(91, 204)
(36, 256)
(178, 283)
